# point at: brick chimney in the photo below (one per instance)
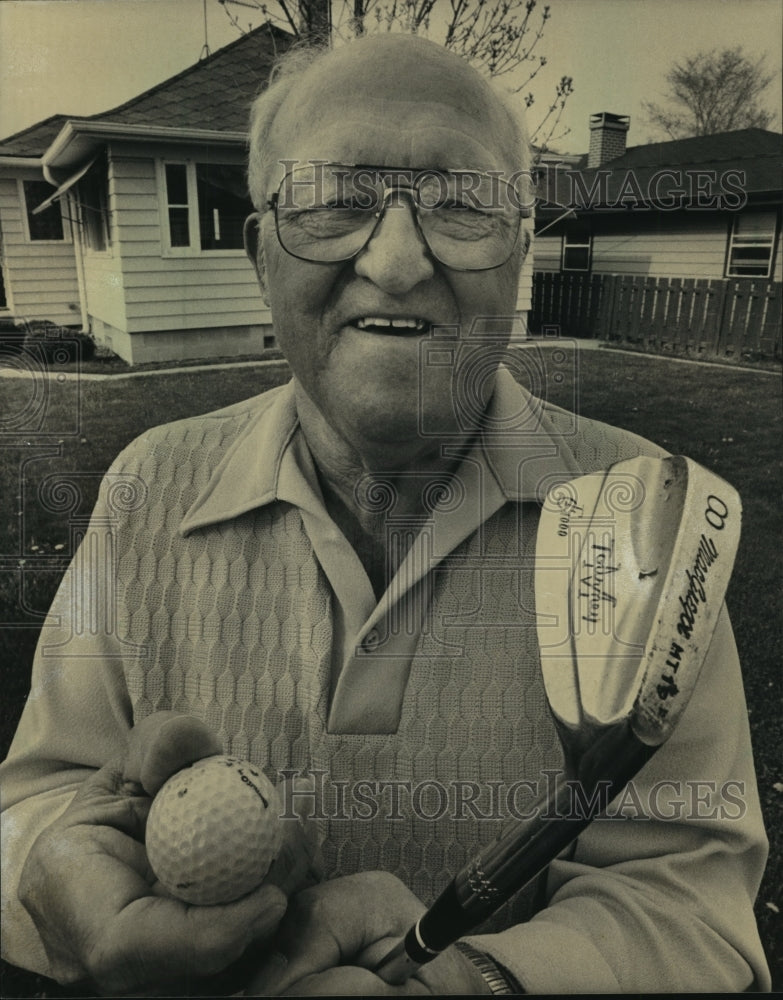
(607, 138)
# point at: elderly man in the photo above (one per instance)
(336, 579)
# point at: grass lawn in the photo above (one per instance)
(58, 438)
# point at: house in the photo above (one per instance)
(703, 212)
(140, 240)
(128, 224)
(705, 207)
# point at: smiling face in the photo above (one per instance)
(356, 333)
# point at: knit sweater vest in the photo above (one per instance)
(233, 624)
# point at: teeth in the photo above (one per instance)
(397, 323)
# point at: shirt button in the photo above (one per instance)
(371, 641)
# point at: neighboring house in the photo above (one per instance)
(39, 278)
(140, 242)
(705, 207)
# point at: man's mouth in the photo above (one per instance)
(397, 326)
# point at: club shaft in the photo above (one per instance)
(517, 856)
(606, 758)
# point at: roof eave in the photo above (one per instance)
(21, 161)
(545, 211)
(79, 139)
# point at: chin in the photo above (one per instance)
(404, 431)
(383, 425)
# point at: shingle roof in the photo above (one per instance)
(33, 140)
(704, 149)
(753, 153)
(215, 93)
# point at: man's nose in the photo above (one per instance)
(396, 259)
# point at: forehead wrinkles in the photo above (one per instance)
(382, 143)
(392, 133)
(399, 80)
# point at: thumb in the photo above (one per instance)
(163, 744)
(105, 798)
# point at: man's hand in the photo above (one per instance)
(89, 888)
(334, 933)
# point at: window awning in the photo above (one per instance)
(66, 186)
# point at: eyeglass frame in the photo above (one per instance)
(273, 201)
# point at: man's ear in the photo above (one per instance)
(255, 252)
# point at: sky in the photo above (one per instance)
(81, 57)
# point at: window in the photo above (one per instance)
(223, 206)
(177, 198)
(47, 225)
(94, 200)
(577, 247)
(751, 245)
(206, 205)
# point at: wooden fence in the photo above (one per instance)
(730, 318)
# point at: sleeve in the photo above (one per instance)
(77, 717)
(660, 897)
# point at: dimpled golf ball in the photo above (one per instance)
(214, 830)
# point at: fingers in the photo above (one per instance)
(89, 889)
(334, 923)
(118, 794)
(163, 744)
(154, 940)
(347, 981)
(298, 863)
(105, 798)
(450, 974)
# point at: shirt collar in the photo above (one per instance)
(248, 474)
(524, 448)
(520, 444)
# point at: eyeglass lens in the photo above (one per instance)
(328, 212)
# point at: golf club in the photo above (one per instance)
(632, 566)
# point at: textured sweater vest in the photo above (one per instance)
(233, 624)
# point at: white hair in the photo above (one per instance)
(288, 70)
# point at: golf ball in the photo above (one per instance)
(214, 830)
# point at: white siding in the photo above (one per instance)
(661, 246)
(525, 290)
(40, 275)
(777, 273)
(172, 292)
(103, 278)
(547, 252)
(695, 248)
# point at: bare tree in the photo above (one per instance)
(713, 92)
(499, 37)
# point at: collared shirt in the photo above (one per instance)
(516, 457)
(238, 600)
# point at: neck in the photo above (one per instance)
(372, 487)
